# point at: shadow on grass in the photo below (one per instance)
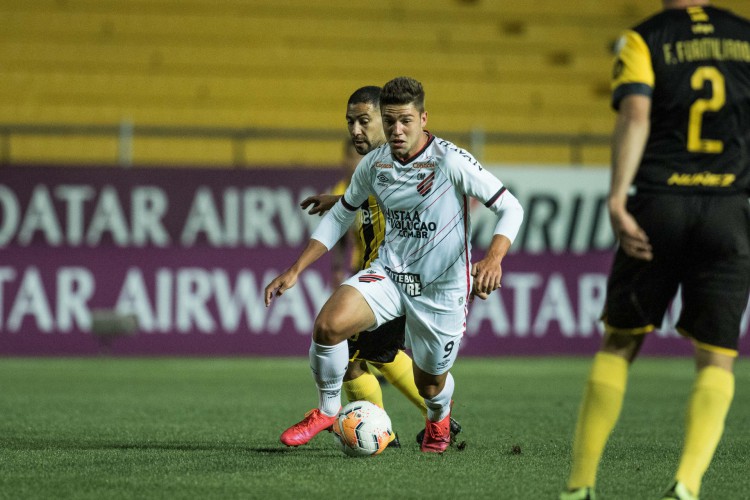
(66, 444)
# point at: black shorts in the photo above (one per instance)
(701, 243)
(380, 345)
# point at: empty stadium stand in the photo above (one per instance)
(516, 66)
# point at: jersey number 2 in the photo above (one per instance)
(695, 144)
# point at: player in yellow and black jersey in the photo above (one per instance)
(369, 225)
(678, 205)
(382, 348)
(692, 64)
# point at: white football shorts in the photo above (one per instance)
(433, 337)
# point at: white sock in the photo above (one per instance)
(328, 365)
(439, 407)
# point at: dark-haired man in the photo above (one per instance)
(382, 348)
(423, 270)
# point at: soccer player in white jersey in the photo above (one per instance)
(424, 269)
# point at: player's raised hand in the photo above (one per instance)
(321, 203)
(279, 285)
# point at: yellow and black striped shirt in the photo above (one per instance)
(369, 227)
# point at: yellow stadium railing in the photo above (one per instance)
(126, 145)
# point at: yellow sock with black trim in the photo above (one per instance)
(365, 387)
(400, 374)
(598, 414)
(707, 409)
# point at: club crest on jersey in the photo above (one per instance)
(425, 186)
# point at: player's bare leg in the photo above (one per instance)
(345, 313)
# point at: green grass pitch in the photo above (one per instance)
(208, 428)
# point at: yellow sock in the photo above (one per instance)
(598, 414)
(365, 387)
(709, 403)
(399, 374)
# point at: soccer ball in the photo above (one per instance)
(362, 429)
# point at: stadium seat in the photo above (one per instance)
(519, 66)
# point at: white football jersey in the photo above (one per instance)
(425, 201)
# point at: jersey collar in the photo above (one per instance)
(430, 138)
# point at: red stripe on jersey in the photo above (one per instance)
(446, 226)
(466, 249)
(369, 278)
(434, 198)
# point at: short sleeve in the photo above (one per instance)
(633, 72)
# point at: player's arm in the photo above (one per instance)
(488, 271)
(334, 224)
(632, 87)
(286, 280)
(629, 140)
(322, 203)
(340, 268)
(474, 180)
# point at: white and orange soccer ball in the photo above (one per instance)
(362, 429)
